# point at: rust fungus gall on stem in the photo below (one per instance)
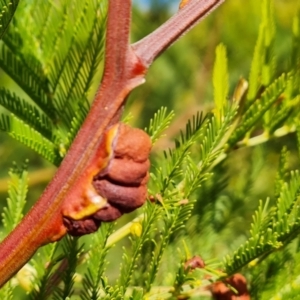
(83, 199)
(121, 182)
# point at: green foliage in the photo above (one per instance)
(220, 79)
(17, 192)
(258, 108)
(263, 63)
(43, 277)
(159, 124)
(66, 270)
(13, 211)
(55, 69)
(96, 263)
(7, 12)
(205, 179)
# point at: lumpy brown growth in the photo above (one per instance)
(222, 291)
(123, 182)
(81, 227)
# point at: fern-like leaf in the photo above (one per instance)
(211, 147)
(17, 192)
(258, 108)
(26, 112)
(7, 9)
(29, 137)
(130, 259)
(55, 67)
(271, 229)
(159, 123)
(171, 171)
(78, 117)
(73, 68)
(13, 211)
(96, 264)
(43, 283)
(174, 221)
(27, 72)
(72, 251)
(263, 61)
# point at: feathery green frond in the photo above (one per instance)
(30, 137)
(263, 63)
(261, 218)
(282, 171)
(259, 107)
(268, 23)
(211, 147)
(26, 112)
(96, 264)
(288, 196)
(174, 195)
(7, 11)
(172, 170)
(74, 66)
(271, 229)
(130, 258)
(78, 117)
(17, 192)
(281, 114)
(29, 75)
(220, 80)
(257, 61)
(44, 281)
(159, 123)
(55, 67)
(72, 251)
(175, 219)
(13, 211)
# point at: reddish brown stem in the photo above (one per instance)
(125, 68)
(164, 36)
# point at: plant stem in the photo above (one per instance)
(264, 137)
(163, 37)
(123, 231)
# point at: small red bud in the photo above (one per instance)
(194, 263)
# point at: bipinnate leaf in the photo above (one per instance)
(7, 10)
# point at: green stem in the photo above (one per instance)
(123, 231)
(264, 137)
